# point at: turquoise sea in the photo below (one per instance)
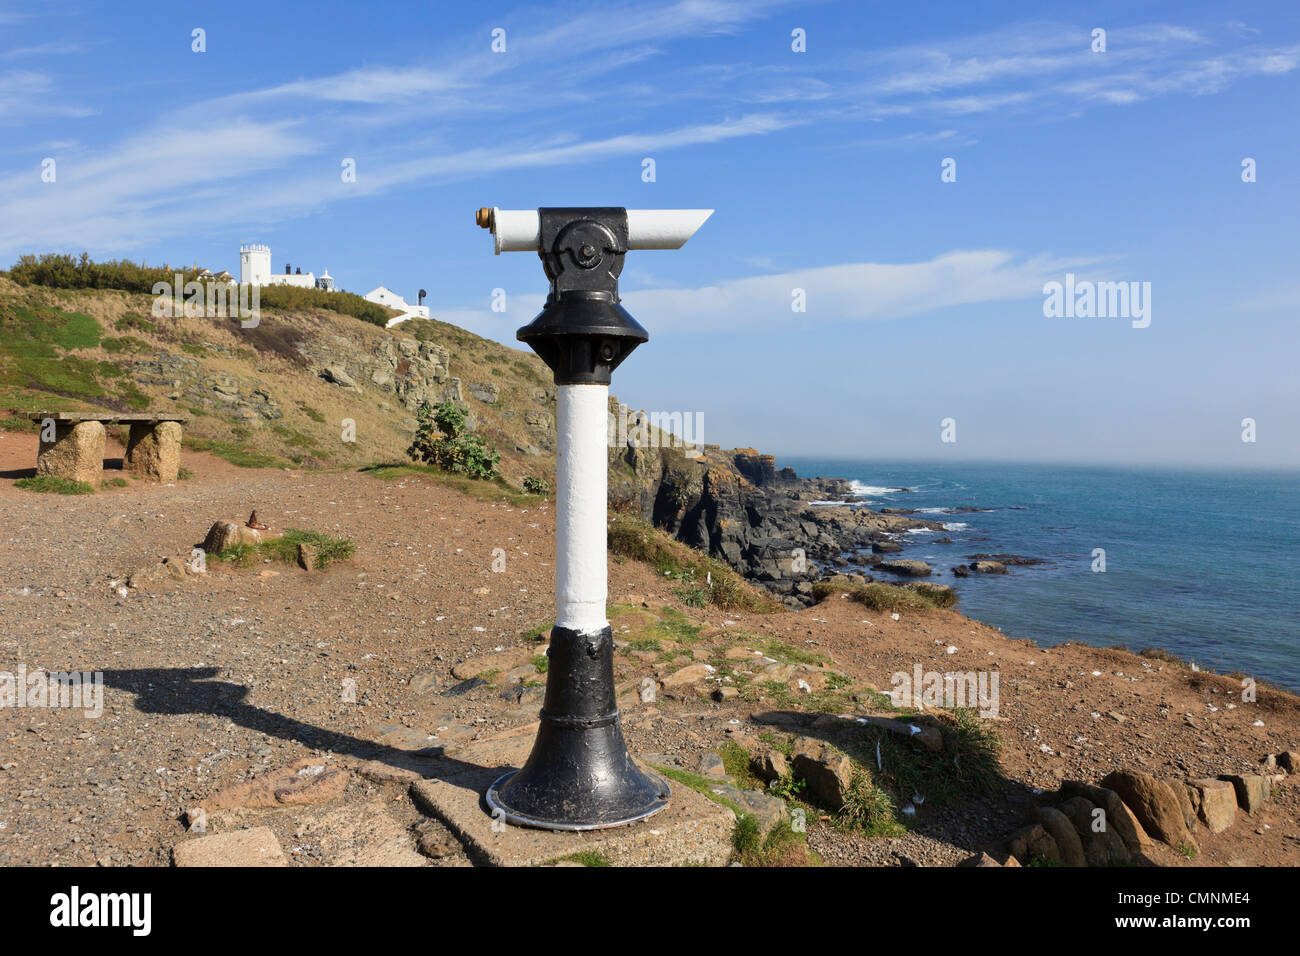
(1205, 564)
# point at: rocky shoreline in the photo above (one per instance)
(781, 532)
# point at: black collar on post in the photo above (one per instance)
(582, 332)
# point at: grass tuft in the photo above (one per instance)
(890, 597)
(329, 549)
(57, 486)
(702, 580)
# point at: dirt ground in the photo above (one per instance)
(226, 676)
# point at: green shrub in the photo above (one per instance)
(867, 808)
(125, 343)
(134, 322)
(441, 440)
(536, 486)
(60, 271)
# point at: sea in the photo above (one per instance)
(1203, 564)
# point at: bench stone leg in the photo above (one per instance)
(77, 452)
(153, 450)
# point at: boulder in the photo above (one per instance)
(1154, 804)
(766, 809)
(1186, 802)
(906, 567)
(1062, 831)
(503, 660)
(886, 547)
(1117, 814)
(1252, 789)
(769, 766)
(486, 392)
(979, 859)
(77, 452)
(988, 567)
(711, 765)
(1289, 761)
(225, 534)
(153, 450)
(169, 569)
(1102, 845)
(827, 772)
(1216, 804)
(339, 376)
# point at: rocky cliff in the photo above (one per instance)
(777, 529)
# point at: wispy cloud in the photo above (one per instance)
(844, 294)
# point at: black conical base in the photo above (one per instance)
(579, 775)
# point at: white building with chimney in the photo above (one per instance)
(390, 299)
(255, 269)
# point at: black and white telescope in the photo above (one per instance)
(579, 775)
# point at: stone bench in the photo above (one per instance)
(75, 449)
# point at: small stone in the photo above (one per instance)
(691, 674)
(1033, 842)
(771, 765)
(711, 765)
(436, 844)
(980, 859)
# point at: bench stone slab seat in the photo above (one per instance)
(153, 444)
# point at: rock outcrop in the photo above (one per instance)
(778, 530)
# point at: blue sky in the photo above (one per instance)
(924, 298)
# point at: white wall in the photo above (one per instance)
(304, 281)
(254, 266)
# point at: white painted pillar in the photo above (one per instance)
(581, 495)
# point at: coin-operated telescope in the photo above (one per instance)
(579, 775)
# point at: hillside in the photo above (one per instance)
(319, 390)
(279, 394)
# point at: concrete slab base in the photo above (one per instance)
(693, 830)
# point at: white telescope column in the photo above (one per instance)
(579, 775)
(581, 478)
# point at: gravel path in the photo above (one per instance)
(227, 676)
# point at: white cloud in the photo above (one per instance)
(842, 294)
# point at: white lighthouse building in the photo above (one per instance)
(255, 269)
(255, 265)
